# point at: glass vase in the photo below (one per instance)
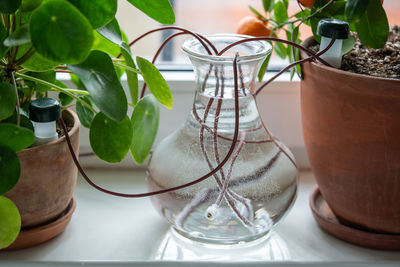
(257, 185)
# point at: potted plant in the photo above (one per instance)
(37, 40)
(350, 119)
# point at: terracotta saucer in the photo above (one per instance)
(328, 221)
(35, 236)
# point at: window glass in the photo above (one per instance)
(206, 17)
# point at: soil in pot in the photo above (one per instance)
(375, 62)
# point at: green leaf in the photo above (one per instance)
(347, 45)
(10, 169)
(145, 119)
(8, 100)
(85, 115)
(10, 222)
(110, 139)
(112, 32)
(355, 9)
(64, 99)
(15, 137)
(60, 33)
(30, 5)
(24, 121)
(281, 50)
(280, 12)
(268, 5)
(98, 12)
(373, 26)
(131, 76)
(3, 36)
(19, 37)
(158, 86)
(159, 10)
(98, 75)
(9, 6)
(252, 9)
(263, 68)
(48, 76)
(36, 62)
(303, 14)
(102, 44)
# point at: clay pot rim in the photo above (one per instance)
(310, 40)
(69, 115)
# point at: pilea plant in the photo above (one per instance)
(40, 38)
(367, 18)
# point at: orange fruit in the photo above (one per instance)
(253, 26)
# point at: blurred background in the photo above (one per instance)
(206, 17)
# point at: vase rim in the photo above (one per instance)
(262, 50)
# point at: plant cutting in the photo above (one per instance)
(37, 40)
(350, 119)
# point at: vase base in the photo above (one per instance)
(327, 220)
(38, 235)
(174, 246)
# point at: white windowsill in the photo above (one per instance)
(111, 231)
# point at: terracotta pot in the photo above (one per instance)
(48, 178)
(351, 127)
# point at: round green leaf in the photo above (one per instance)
(10, 222)
(158, 86)
(159, 10)
(98, 75)
(29, 5)
(85, 115)
(145, 118)
(9, 6)
(60, 33)
(110, 139)
(99, 12)
(8, 100)
(102, 44)
(10, 169)
(15, 137)
(24, 121)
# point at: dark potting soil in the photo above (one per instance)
(383, 62)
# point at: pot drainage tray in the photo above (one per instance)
(329, 222)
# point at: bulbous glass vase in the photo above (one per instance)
(257, 185)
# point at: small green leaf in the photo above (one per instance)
(99, 12)
(10, 222)
(60, 33)
(255, 11)
(64, 99)
(268, 5)
(303, 14)
(112, 32)
(131, 76)
(30, 5)
(347, 45)
(85, 115)
(110, 139)
(159, 10)
(15, 137)
(280, 12)
(19, 37)
(355, 9)
(98, 75)
(24, 121)
(9, 6)
(158, 86)
(373, 26)
(145, 119)
(8, 100)
(10, 169)
(263, 68)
